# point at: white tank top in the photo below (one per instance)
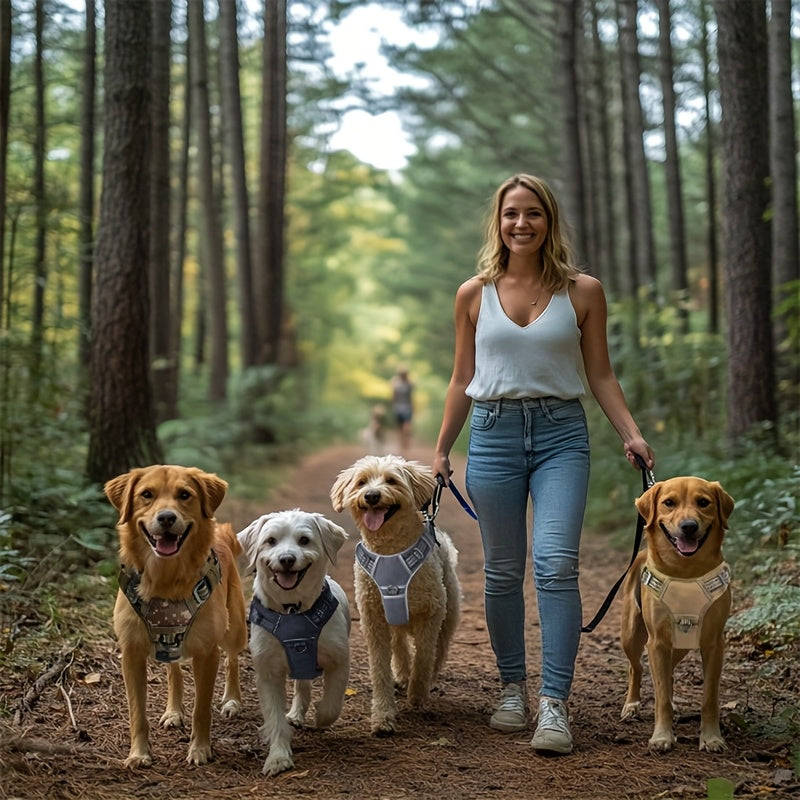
(541, 359)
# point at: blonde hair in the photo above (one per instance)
(558, 260)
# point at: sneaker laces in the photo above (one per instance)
(553, 715)
(511, 699)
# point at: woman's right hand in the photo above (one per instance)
(441, 466)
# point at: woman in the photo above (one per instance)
(529, 327)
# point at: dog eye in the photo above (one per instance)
(703, 502)
(271, 541)
(185, 494)
(303, 540)
(669, 503)
(147, 494)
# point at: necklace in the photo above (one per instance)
(538, 295)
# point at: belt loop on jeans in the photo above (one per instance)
(498, 405)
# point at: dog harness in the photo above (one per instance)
(687, 600)
(297, 631)
(168, 621)
(392, 574)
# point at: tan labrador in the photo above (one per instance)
(676, 598)
(180, 598)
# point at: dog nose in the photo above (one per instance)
(373, 497)
(689, 527)
(166, 519)
(287, 561)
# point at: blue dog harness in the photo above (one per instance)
(392, 574)
(298, 632)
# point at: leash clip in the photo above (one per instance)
(648, 479)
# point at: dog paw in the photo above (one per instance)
(712, 744)
(231, 709)
(275, 764)
(630, 711)
(136, 760)
(384, 727)
(661, 743)
(199, 754)
(172, 719)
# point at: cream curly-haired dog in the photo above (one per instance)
(409, 619)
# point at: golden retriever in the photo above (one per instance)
(384, 495)
(180, 598)
(299, 623)
(677, 598)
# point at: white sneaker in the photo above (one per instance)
(552, 731)
(512, 711)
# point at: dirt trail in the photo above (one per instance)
(447, 751)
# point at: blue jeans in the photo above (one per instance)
(538, 448)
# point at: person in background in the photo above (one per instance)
(529, 327)
(403, 406)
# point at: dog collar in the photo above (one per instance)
(168, 621)
(297, 632)
(393, 573)
(687, 600)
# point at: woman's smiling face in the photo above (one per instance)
(523, 221)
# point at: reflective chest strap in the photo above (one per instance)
(298, 632)
(687, 600)
(392, 574)
(168, 621)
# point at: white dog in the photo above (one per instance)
(300, 623)
(406, 586)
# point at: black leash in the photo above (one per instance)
(648, 479)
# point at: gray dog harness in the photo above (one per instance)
(392, 574)
(298, 632)
(168, 621)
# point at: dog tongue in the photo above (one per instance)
(686, 546)
(167, 546)
(286, 580)
(373, 519)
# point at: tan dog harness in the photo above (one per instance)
(687, 600)
(168, 621)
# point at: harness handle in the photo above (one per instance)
(648, 480)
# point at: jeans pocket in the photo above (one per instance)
(565, 410)
(483, 419)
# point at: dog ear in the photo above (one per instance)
(333, 536)
(119, 492)
(339, 487)
(248, 539)
(725, 503)
(422, 482)
(212, 492)
(646, 503)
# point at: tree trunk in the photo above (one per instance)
(163, 367)
(783, 170)
(5, 108)
(121, 426)
(642, 251)
(742, 51)
(269, 282)
(212, 233)
(567, 31)
(40, 201)
(672, 168)
(711, 179)
(86, 201)
(234, 145)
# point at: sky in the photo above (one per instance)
(375, 139)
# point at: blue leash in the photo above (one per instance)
(454, 489)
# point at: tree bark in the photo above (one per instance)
(234, 146)
(162, 364)
(121, 426)
(214, 260)
(742, 52)
(672, 168)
